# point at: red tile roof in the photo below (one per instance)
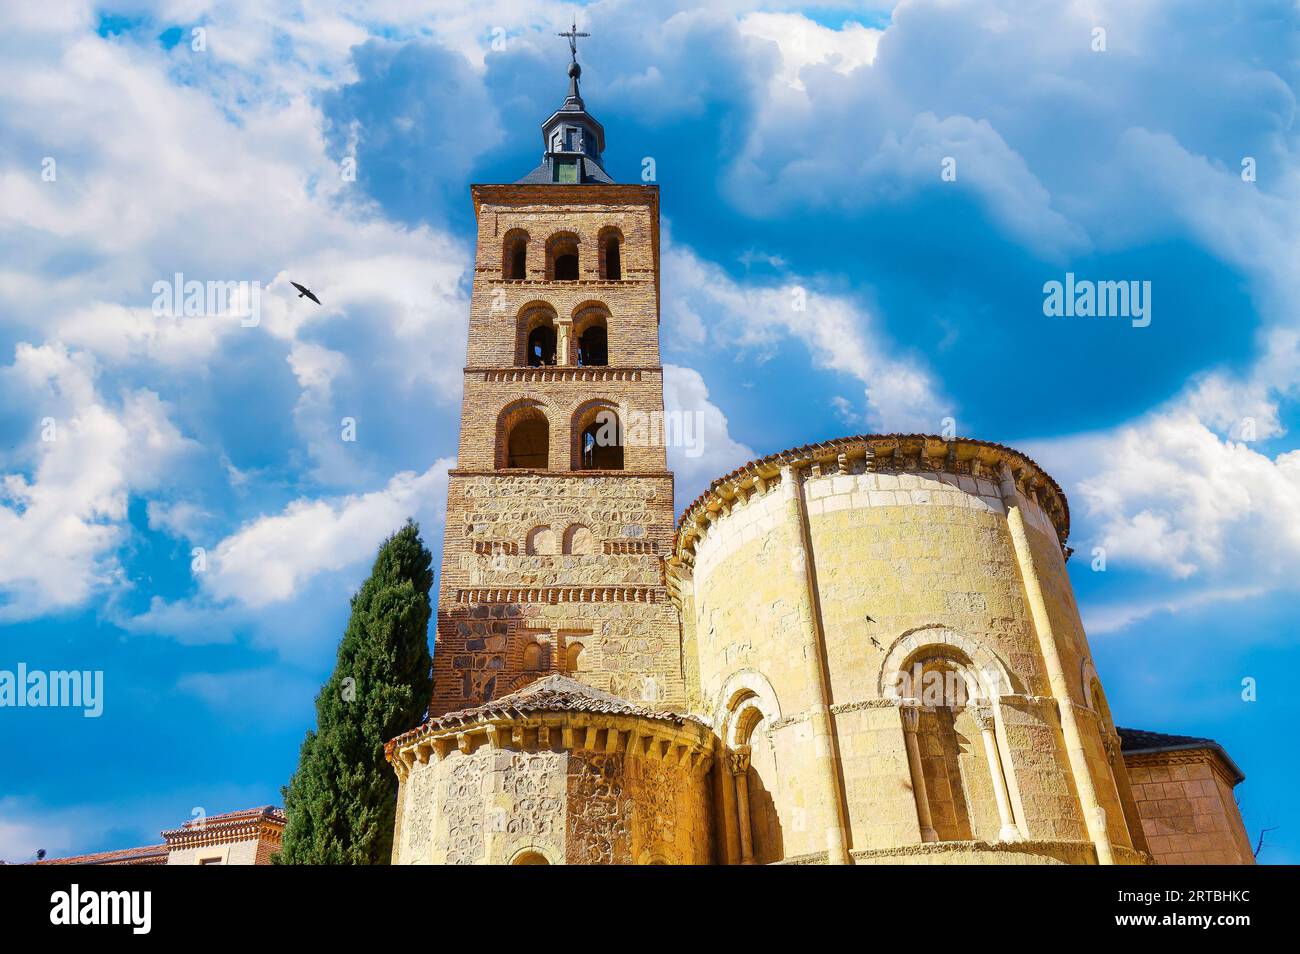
(554, 693)
(147, 855)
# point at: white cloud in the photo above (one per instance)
(713, 451)
(1174, 496)
(804, 43)
(838, 333)
(236, 185)
(1107, 618)
(181, 518)
(1169, 493)
(64, 506)
(267, 559)
(283, 576)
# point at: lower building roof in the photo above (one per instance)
(1135, 741)
(554, 693)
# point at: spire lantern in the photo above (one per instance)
(573, 140)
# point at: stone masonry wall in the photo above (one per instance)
(582, 806)
(1187, 808)
(895, 553)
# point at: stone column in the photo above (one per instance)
(740, 774)
(814, 653)
(1094, 816)
(911, 720)
(563, 332)
(984, 719)
(728, 825)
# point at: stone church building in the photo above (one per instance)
(860, 651)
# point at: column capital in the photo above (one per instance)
(738, 760)
(911, 713)
(1111, 743)
(983, 715)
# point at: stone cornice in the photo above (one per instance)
(557, 594)
(563, 474)
(685, 741)
(594, 194)
(1188, 755)
(1049, 848)
(884, 453)
(220, 833)
(560, 372)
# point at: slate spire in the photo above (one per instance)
(572, 139)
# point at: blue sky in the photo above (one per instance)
(797, 147)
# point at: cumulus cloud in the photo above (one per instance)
(282, 580)
(803, 42)
(64, 502)
(1170, 494)
(711, 451)
(1189, 491)
(237, 184)
(266, 560)
(838, 333)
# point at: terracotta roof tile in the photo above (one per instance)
(555, 693)
(146, 855)
(1133, 741)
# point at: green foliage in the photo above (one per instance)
(342, 799)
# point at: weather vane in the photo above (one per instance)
(572, 36)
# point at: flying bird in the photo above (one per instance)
(875, 642)
(305, 292)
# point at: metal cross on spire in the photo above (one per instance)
(572, 36)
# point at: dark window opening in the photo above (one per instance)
(613, 261)
(566, 267)
(593, 346)
(517, 261)
(602, 444)
(528, 443)
(541, 346)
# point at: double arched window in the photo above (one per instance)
(544, 341)
(563, 258)
(524, 439)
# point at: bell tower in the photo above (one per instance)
(560, 509)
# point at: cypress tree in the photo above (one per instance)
(341, 802)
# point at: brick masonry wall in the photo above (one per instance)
(565, 560)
